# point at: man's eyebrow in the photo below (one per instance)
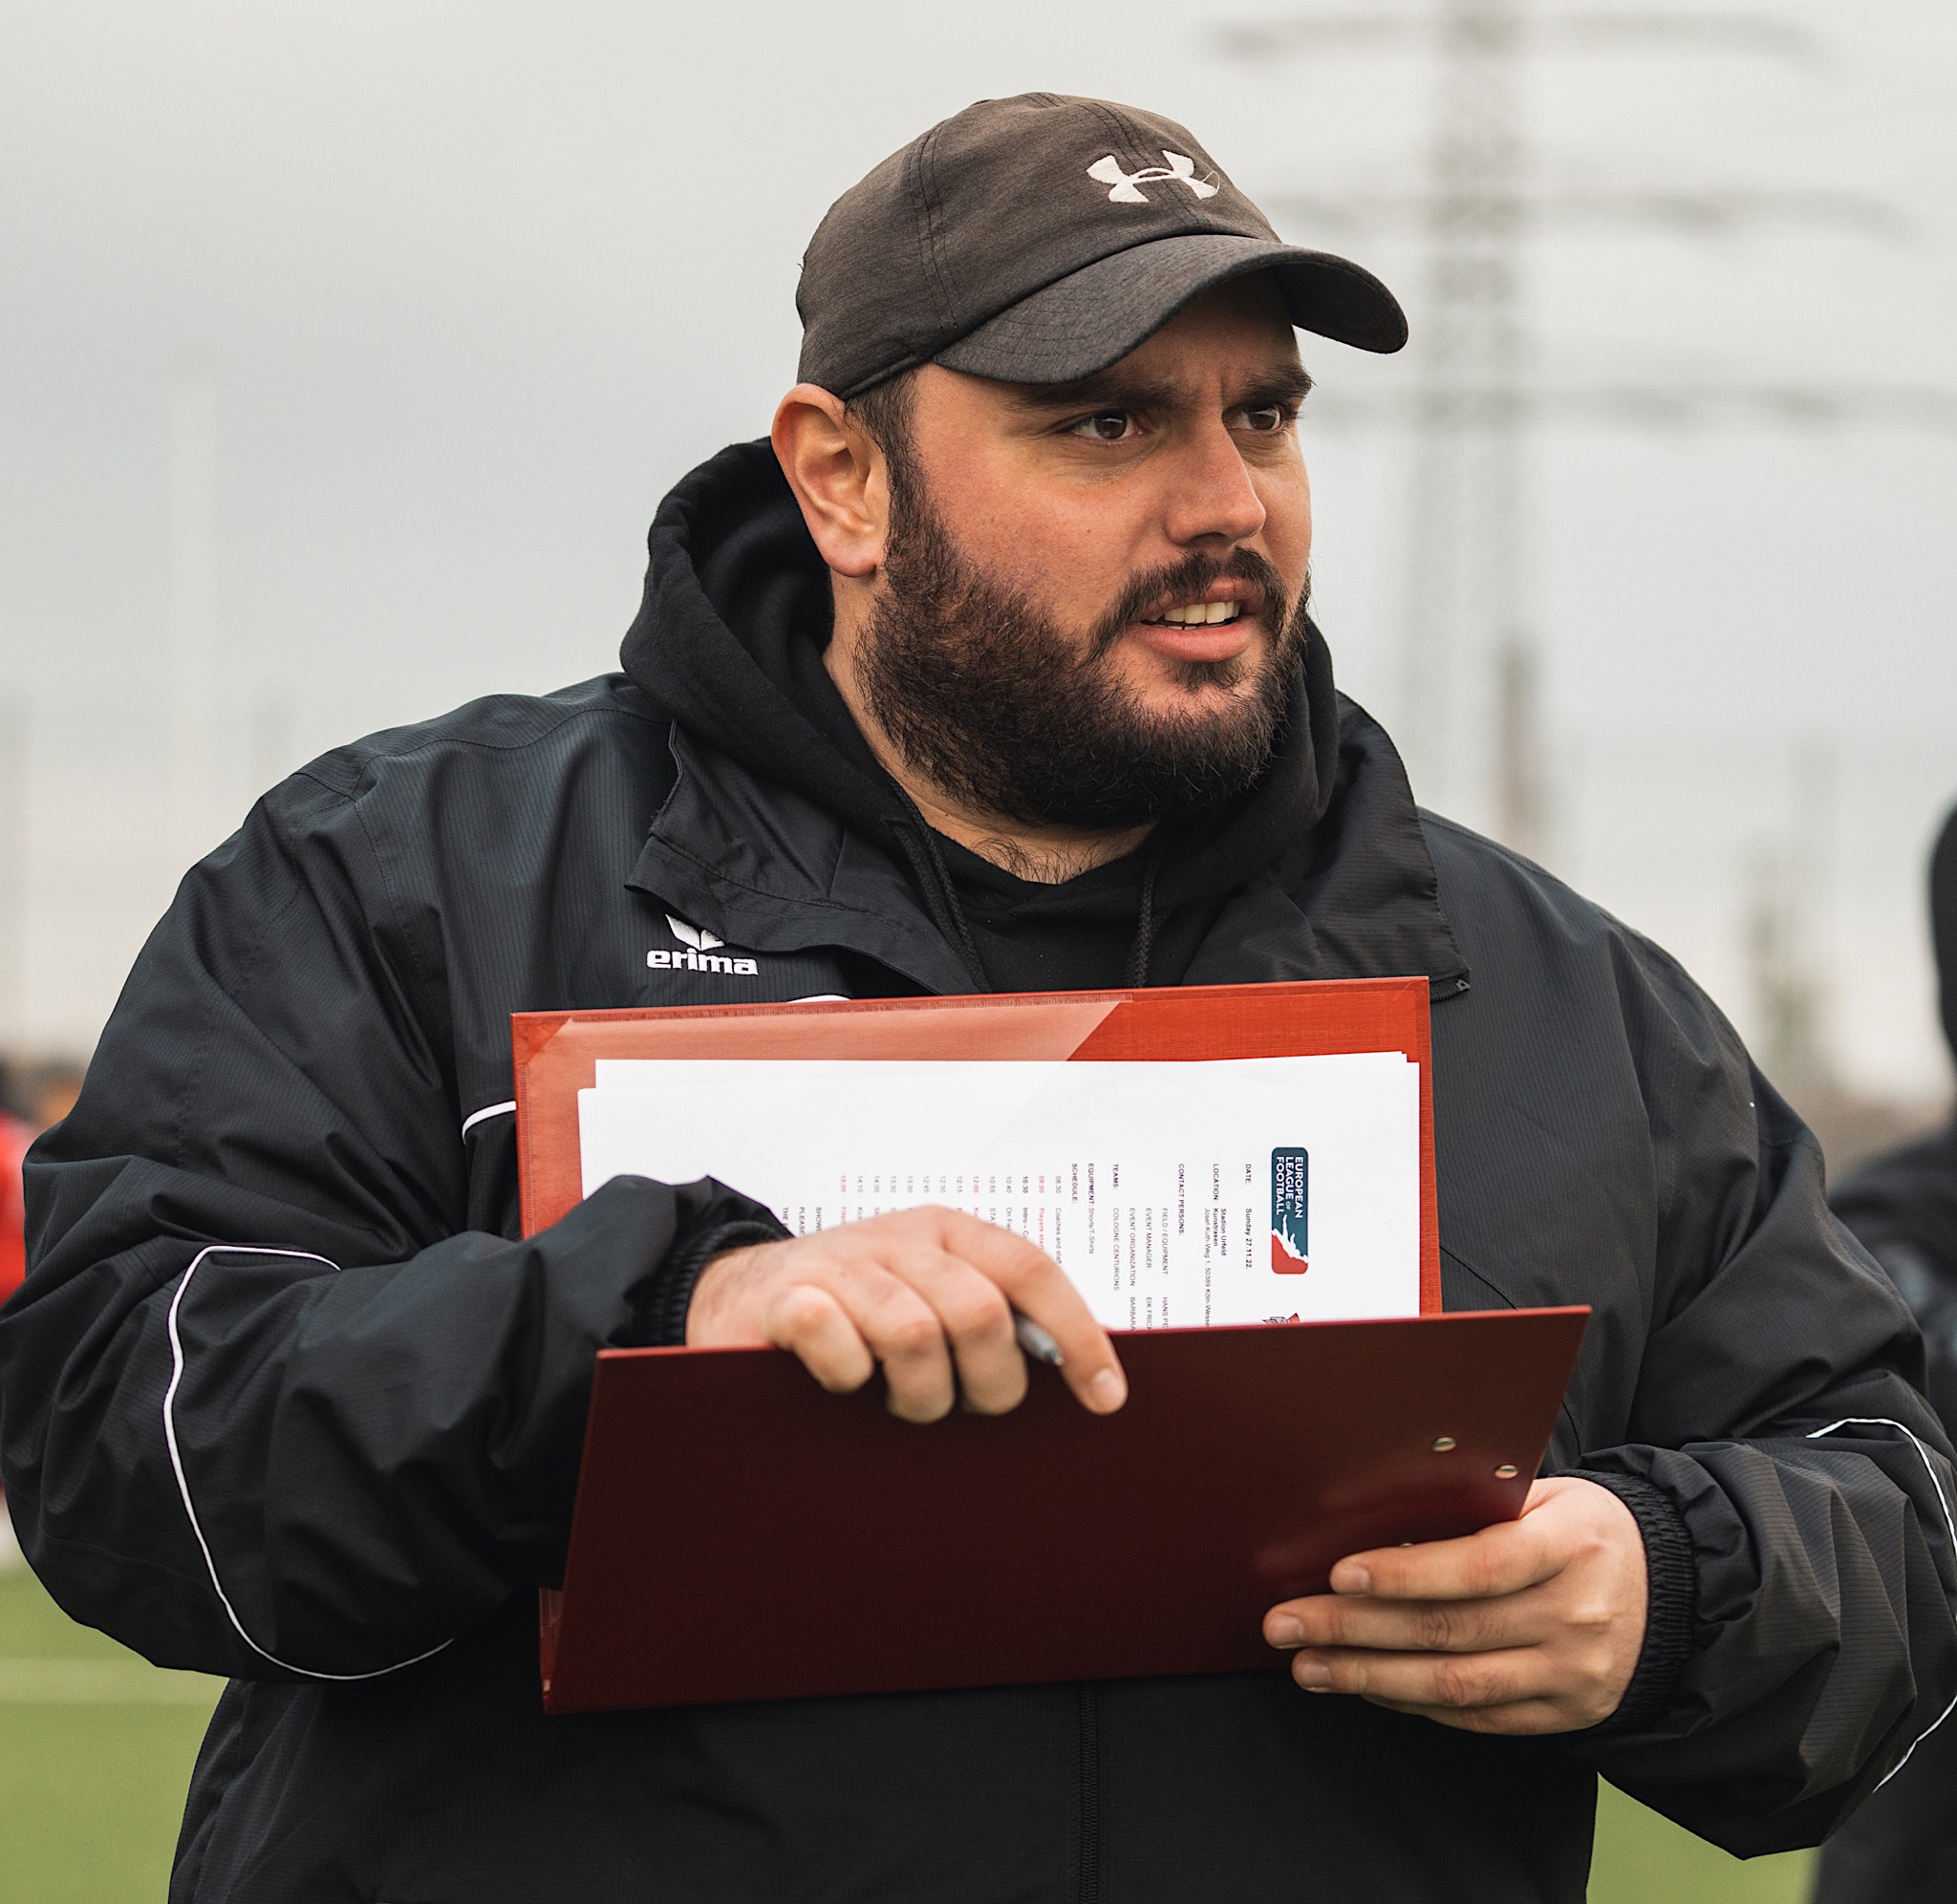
(1289, 385)
(1110, 390)
(1104, 390)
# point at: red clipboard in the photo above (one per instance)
(556, 1053)
(739, 1534)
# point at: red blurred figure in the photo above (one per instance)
(48, 1097)
(14, 1138)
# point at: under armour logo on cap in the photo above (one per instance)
(1124, 187)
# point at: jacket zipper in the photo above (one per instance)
(1087, 1801)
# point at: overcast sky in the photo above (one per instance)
(479, 281)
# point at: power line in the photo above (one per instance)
(1683, 402)
(1709, 213)
(1470, 664)
(1577, 33)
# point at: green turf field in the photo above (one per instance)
(96, 1750)
(1643, 1859)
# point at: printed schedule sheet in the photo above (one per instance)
(1172, 1194)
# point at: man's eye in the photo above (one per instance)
(1105, 427)
(1266, 419)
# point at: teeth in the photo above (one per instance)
(1199, 614)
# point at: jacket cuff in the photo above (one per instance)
(661, 1322)
(1672, 1608)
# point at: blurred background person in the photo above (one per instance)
(16, 1135)
(51, 1091)
(1900, 1847)
(32, 1098)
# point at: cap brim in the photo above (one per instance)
(1095, 316)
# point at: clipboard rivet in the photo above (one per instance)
(1506, 1471)
(1443, 1444)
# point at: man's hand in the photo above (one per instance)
(1531, 1626)
(929, 1294)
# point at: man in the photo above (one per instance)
(993, 672)
(1901, 1847)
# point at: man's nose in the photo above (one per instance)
(1212, 497)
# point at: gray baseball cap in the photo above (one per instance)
(1040, 239)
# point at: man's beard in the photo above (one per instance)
(1010, 714)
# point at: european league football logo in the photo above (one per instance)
(1290, 1208)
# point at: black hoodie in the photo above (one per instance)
(284, 1396)
(1902, 1848)
(1904, 1203)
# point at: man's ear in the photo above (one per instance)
(838, 476)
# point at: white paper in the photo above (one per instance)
(1156, 1186)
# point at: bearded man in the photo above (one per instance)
(992, 672)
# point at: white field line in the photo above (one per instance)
(103, 1683)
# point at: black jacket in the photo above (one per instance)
(285, 1399)
(1901, 1847)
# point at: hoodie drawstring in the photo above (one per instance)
(1144, 946)
(934, 879)
(934, 882)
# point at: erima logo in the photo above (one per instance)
(1123, 188)
(698, 952)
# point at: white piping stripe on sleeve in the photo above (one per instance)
(183, 1483)
(1949, 1523)
(475, 1118)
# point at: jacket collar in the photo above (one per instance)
(767, 868)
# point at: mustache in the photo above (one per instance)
(1187, 578)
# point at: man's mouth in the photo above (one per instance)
(1197, 614)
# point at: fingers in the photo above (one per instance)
(1037, 1286)
(1430, 1682)
(928, 1294)
(1535, 1625)
(1417, 1626)
(1502, 1559)
(1522, 1690)
(902, 1331)
(813, 1327)
(968, 1315)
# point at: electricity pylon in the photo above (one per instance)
(1468, 681)
(15, 733)
(1468, 716)
(193, 606)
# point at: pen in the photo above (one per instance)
(1036, 1341)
